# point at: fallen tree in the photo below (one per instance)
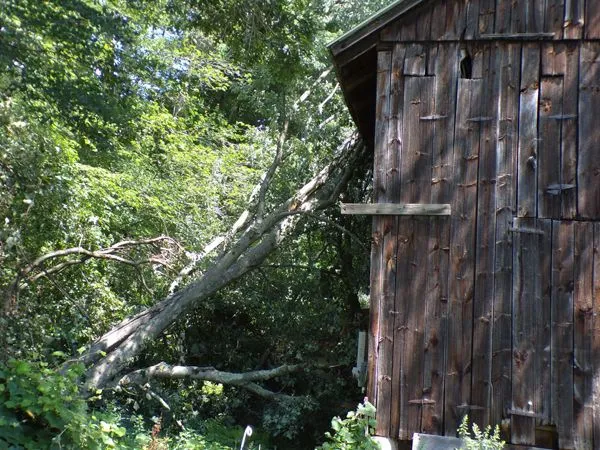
(256, 234)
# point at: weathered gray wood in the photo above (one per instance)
(592, 20)
(553, 17)
(588, 165)
(406, 248)
(414, 351)
(562, 331)
(528, 136)
(526, 294)
(483, 299)
(472, 23)
(384, 232)
(573, 21)
(549, 170)
(569, 131)
(415, 60)
(436, 316)
(462, 253)
(438, 20)
(542, 320)
(507, 152)
(503, 19)
(487, 13)
(596, 335)
(423, 24)
(396, 144)
(583, 328)
(396, 209)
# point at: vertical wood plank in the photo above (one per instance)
(435, 326)
(569, 131)
(423, 24)
(396, 143)
(588, 165)
(416, 188)
(487, 12)
(416, 60)
(549, 170)
(384, 226)
(553, 17)
(456, 19)
(596, 337)
(485, 243)
(403, 310)
(438, 20)
(562, 331)
(573, 21)
(446, 75)
(414, 349)
(535, 16)
(528, 131)
(503, 16)
(462, 252)
(526, 294)
(472, 20)
(592, 20)
(583, 329)
(542, 325)
(507, 152)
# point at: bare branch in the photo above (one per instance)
(246, 380)
(42, 266)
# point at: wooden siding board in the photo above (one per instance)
(596, 336)
(383, 227)
(396, 141)
(416, 60)
(462, 252)
(592, 19)
(446, 78)
(472, 19)
(569, 131)
(436, 316)
(487, 12)
(542, 319)
(445, 69)
(438, 20)
(507, 152)
(485, 243)
(503, 16)
(562, 331)
(423, 24)
(553, 17)
(528, 131)
(573, 20)
(583, 329)
(403, 309)
(549, 170)
(588, 164)
(456, 19)
(526, 294)
(414, 342)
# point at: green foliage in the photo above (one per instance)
(41, 408)
(130, 119)
(354, 432)
(478, 439)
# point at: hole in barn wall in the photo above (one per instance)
(466, 64)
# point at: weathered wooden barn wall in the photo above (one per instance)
(492, 311)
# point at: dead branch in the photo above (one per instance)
(246, 380)
(55, 262)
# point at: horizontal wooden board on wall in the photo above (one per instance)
(396, 209)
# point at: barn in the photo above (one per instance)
(484, 121)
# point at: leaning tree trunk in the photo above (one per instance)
(110, 355)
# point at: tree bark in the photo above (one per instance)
(109, 355)
(246, 380)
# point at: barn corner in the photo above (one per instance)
(485, 270)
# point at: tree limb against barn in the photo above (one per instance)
(113, 352)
